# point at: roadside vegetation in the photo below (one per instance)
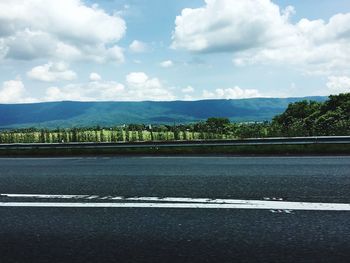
(304, 118)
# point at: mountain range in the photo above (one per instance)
(83, 114)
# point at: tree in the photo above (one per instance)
(294, 122)
(217, 124)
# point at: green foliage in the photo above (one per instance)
(310, 118)
(217, 124)
(304, 118)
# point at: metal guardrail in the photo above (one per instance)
(193, 143)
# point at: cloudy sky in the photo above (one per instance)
(118, 50)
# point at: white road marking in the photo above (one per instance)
(169, 202)
(243, 157)
(46, 158)
(176, 157)
(279, 206)
(147, 199)
(122, 198)
(43, 196)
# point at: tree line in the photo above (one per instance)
(304, 118)
(310, 118)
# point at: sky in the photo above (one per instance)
(136, 50)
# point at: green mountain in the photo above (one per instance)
(82, 114)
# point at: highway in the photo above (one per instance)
(175, 209)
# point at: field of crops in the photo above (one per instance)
(104, 135)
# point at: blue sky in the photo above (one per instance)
(118, 50)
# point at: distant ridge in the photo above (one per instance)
(83, 114)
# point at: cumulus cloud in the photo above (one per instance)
(167, 64)
(13, 91)
(65, 29)
(259, 32)
(95, 77)
(231, 93)
(142, 87)
(52, 72)
(188, 98)
(92, 91)
(138, 47)
(188, 89)
(338, 84)
(226, 25)
(138, 87)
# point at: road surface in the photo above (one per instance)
(175, 209)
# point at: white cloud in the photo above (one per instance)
(142, 87)
(136, 79)
(188, 98)
(338, 84)
(138, 47)
(65, 29)
(228, 25)
(52, 72)
(259, 32)
(13, 91)
(92, 91)
(188, 89)
(231, 93)
(95, 77)
(138, 87)
(167, 64)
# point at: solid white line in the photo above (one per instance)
(244, 157)
(170, 202)
(121, 198)
(267, 205)
(177, 157)
(44, 196)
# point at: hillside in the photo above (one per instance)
(82, 114)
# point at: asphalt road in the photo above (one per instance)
(75, 234)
